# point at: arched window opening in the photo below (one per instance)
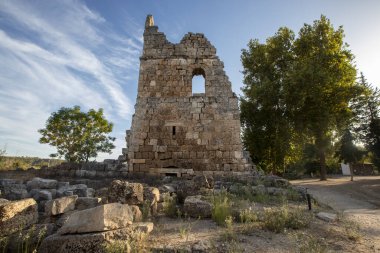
(198, 81)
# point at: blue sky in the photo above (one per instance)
(72, 52)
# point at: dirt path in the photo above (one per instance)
(358, 201)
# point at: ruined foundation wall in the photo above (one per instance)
(174, 128)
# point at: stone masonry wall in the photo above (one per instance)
(174, 129)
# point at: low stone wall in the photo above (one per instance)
(91, 170)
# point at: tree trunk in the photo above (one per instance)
(322, 161)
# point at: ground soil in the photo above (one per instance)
(353, 201)
(358, 201)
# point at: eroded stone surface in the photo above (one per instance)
(40, 183)
(83, 243)
(87, 202)
(175, 131)
(329, 217)
(60, 205)
(195, 207)
(125, 192)
(17, 215)
(100, 218)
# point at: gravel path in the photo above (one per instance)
(358, 200)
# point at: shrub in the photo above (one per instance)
(352, 230)
(145, 210)
(221, 208)
(277, 220)
(310, 244)
(229, 234)
(170, 206)
(247, 216)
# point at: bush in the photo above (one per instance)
(277, 220)
(221, 208)
(310, 244)
(248, 216)
(170, 206)
(352, 230)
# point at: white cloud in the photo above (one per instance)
(61, 56)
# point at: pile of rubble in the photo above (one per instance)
(68, 218)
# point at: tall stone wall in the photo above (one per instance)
(174, 130)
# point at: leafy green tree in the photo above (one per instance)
(366, 122)
(296, 88)
(322, 84)
(77, 135)
(348, 152)
(266, 128)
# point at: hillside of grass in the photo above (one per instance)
(25, 162)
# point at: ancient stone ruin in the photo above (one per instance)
(175, 131)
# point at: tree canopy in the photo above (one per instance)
(78, 136)
(297, 90)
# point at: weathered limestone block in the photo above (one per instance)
(78, 189)
(14, 191)
(152, 195)
(203, 181)
(329, 217)
(60, 205)
(137, 214)
(3, 201)
(40, 195)
(83, 243)
(17, 215)
(87, 202)
(40, 183)
(91, 242)
(101, 218)
(195, 207)
(126, 193)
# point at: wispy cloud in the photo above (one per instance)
(61, 55)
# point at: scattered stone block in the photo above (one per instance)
(195, 207)
(126, 193)
(3, 201)
(17, 215)
(14, 191)
(40, 195)
(83, 203)
(144, 227)
(329, 217)
(60, 205)
(79, 243)
(137, 214)
(100, 218)
(40, 183)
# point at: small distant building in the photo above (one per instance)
(360, 169)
